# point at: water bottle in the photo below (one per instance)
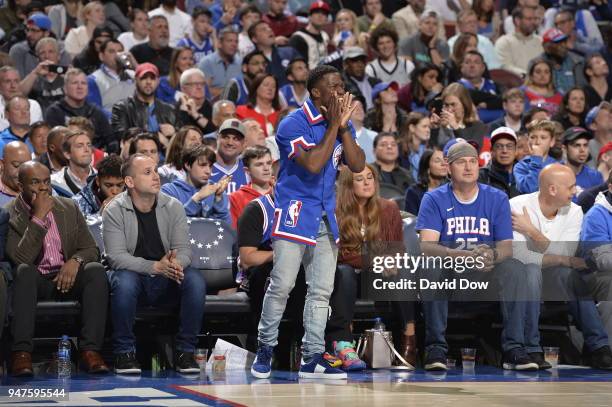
(63, 357)
(378, 324)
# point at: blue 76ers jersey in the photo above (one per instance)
(303, 198)
(486, 219)
(239, 177)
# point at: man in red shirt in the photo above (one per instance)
(258, 165)
(282, 24)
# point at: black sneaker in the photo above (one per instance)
(601, 358)
(436, 360)
(126, 363)
(518, 359)
(538, 357)
(184, 362)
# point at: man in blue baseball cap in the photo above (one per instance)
(23, 54)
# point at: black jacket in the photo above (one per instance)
(59, 112)
(498, 178)
(131, 112)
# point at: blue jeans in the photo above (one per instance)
(435, 305)
(320, 266)
(574, 287)
(129, 289)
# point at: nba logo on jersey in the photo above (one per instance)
(293, 213)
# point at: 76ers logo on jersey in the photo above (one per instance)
(293, 213)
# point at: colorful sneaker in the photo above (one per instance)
(332, 360)
(262, 365)
(518, 359)
(350, 361)
(319, 368)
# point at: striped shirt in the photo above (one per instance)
(52, 256)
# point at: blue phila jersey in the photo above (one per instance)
(243, 91)
(486, 219)
(303, 198)
(239, 177)
(266, 203)
(290, 98)
(487, 86)
(199, 50)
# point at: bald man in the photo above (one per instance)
(54, 159)
(56, 259)
(146, 235)
(15, 154)
(546, 227)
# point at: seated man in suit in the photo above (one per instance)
(147, 247)
(56, 258)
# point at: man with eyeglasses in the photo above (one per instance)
(237, 89)
(583, 40)
(192, 108)
(23, 55)
(498, 173)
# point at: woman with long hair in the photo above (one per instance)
(425, 83)
(346, 31)
(413, 141)
(184, 139)
(364, 218)
(573, 109)
(92, 15)
(264, 104)
(182, 59)
(489, 20)
(539, 87)
(386, 115)
(458, 119)
(431, 174)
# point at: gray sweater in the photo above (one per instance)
(120, 230)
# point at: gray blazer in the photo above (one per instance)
(120, 231)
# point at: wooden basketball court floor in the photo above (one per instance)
(483, 387)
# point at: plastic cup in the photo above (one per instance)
(201, 356)
(468, 358)
(551, 355)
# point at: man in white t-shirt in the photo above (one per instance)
(139, 22)
(546, 227)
